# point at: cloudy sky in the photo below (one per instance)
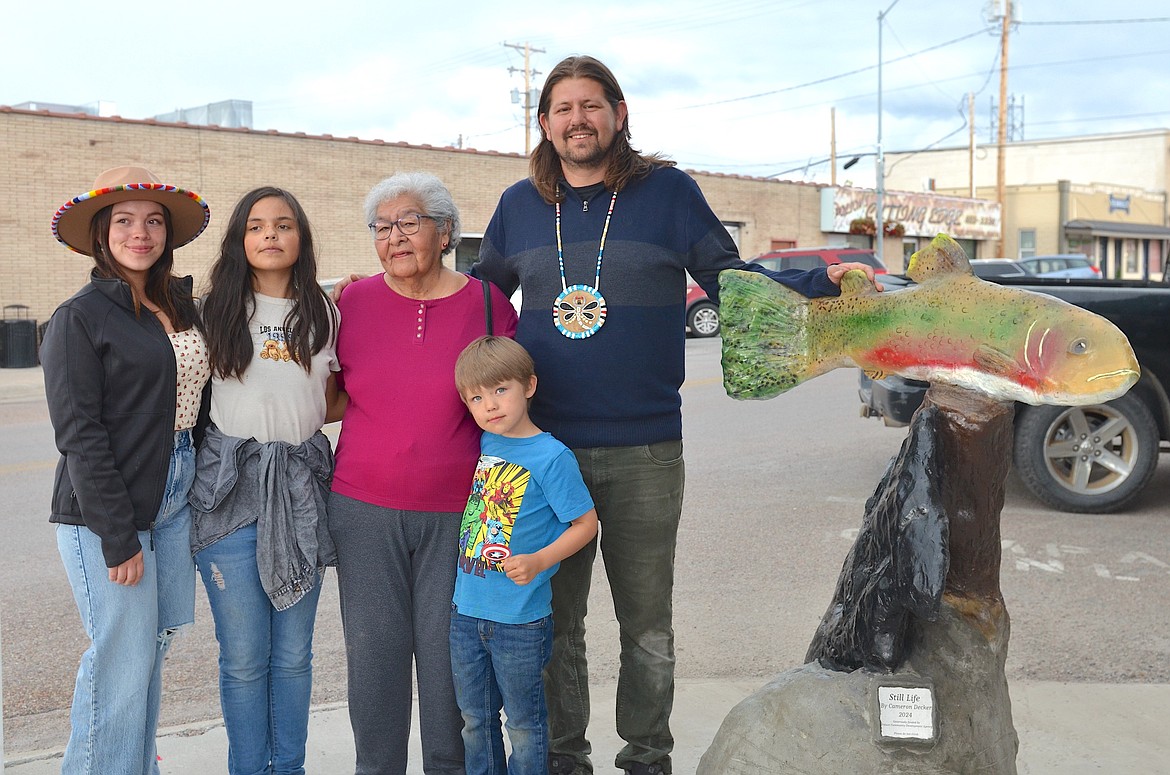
(738, 86)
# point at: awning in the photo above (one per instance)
(1118, 229)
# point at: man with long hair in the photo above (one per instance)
(603, 236)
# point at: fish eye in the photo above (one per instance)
(1078, 346)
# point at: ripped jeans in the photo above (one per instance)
(265, 660)
(119, 682)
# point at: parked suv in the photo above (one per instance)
(1074, 265)
(703, 314)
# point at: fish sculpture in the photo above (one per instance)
(952, 327)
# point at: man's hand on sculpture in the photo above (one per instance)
(837, 271)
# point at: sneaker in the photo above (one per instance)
(638, 768)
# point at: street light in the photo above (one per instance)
(881, 159)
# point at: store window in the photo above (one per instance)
(467, 252)
(1027, 243)
(909, 248)
(1129, 252)
(968, 246)
(733, 229)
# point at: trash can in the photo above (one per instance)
(18, 338)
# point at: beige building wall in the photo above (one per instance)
(1136, 159)
(1037, 208)
(766, 210)
(1092, 203)
(48, 158)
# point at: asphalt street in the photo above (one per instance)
(775, 491)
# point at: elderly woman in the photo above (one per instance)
(405, 460)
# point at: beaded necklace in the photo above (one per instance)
(579, 312)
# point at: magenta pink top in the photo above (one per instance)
(407, 440)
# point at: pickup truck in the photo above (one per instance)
(1089, 459)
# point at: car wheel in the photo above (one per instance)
(1086, 459)
(703, 319)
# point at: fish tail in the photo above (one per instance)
(765, 337)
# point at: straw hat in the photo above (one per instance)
(189, 213)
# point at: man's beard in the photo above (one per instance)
(587, 157)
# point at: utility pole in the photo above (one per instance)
(879, 225)
(833, 145)
(1001, 134)
(528, 106)
(971, 143)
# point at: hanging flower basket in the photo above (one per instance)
(864, 226)
(893, 229)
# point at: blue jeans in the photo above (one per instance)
(500, 666)
(265, 660)
(119, 682)
(638, 493)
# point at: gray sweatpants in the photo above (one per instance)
(396, 577)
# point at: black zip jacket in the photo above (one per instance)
(110, 380)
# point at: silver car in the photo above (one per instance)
(1069, 265)
(998, 267)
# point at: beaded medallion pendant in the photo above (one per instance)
(579, 311)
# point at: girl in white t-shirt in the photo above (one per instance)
(263, 473)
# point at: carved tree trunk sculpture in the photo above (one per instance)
(932, 526)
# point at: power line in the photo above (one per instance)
(1082, 60)
(1095, 21)
(1080, 120)
(827, 79)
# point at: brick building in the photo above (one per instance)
(47, 157)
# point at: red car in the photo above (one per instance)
(703, 314)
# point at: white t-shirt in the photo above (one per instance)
(276, 399)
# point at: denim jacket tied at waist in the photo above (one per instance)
(280, 486)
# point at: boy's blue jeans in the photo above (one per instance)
(500, 666)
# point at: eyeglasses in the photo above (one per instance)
(407, 225)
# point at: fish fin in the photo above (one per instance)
(943, 256)
(855, 283)
(765, 338)
(995, 361)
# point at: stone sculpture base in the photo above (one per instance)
(814, 720)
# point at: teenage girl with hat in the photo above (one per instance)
(125, 365)
(263, 475)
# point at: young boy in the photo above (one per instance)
(529, 509)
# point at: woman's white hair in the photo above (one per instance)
(430, 192)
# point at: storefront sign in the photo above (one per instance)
(1118, 203)
(922, 215)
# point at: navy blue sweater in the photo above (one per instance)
(619, 387)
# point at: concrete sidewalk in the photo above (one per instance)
(1064, 729)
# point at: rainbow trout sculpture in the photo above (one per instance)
(952, 327)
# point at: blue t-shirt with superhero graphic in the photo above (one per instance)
(524, 494)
